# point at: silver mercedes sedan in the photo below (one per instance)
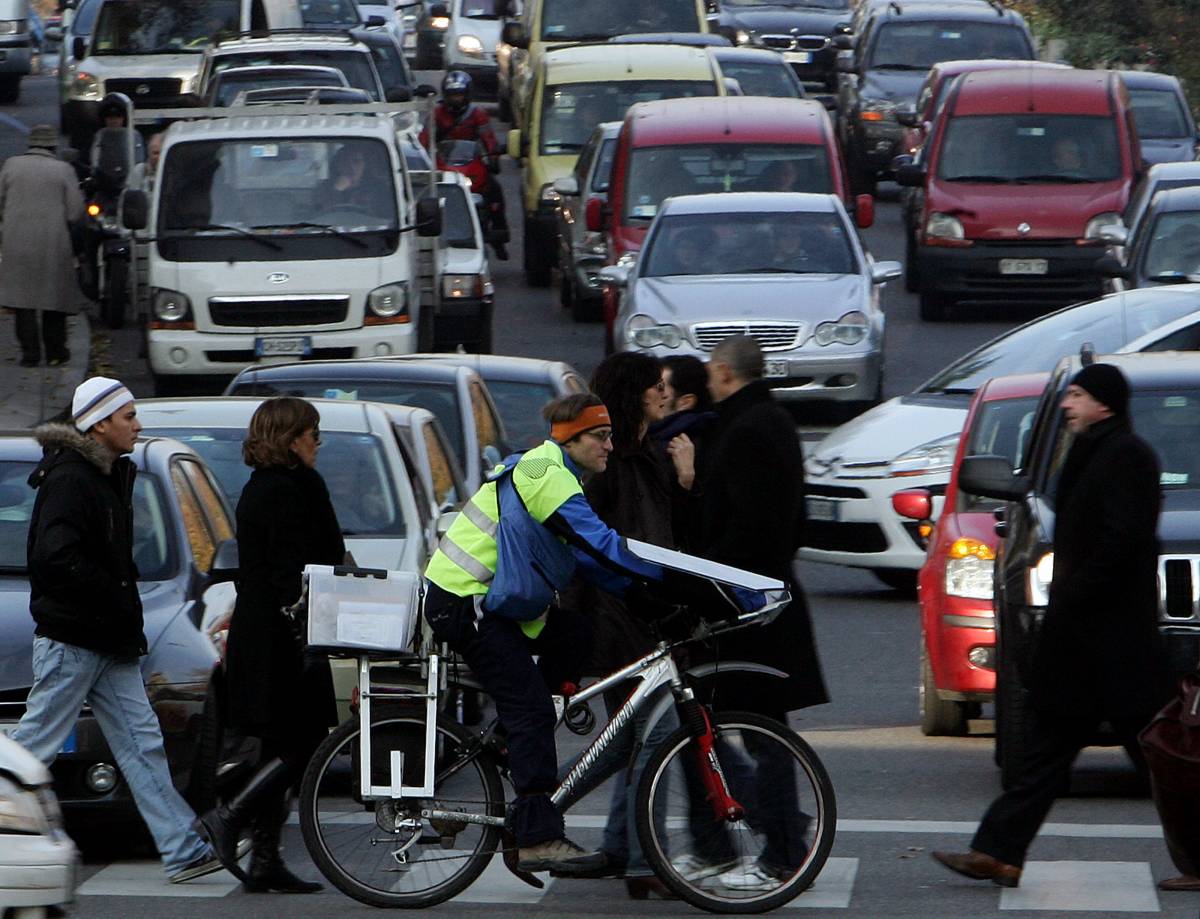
(787, 269)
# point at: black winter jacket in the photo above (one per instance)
(82, 578)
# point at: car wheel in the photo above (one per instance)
(201, 792)
(933, 306)
(483, 344)
(912, 275)
(537, 261)
(1013, 723)
(566, 290)
(10, 88)
(900, 580)
(115, 297)
(939, 717)
(425, 322)
(863, 180)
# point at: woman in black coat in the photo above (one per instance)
(275, 690)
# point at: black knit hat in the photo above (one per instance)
(1105, 383)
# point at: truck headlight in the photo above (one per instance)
(19, 810)
(171, 306)
(969, 568)
(849, 330)
(647, 332)
(389, 302)
(462, 286)
(1099, 222)
(936, 457)
(12, 26)
(1037, 581)
(85, 86)
(470, 44)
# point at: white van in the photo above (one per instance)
(281, 236)
(16, 47)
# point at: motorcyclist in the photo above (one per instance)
(107, 156)
(456, 117)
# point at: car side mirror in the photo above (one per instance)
(908, 117)
(429, 217)
(513, 143)
(864, 211)
(438, 9)
(910, 175)
(398, 94)
(567, 186)
(135, 209)
(514, 34)
(990, 477)
(225, 563)
(444, 522)
(374, 22)
(616, 275)
(882, 272)
(593, 215)
(1109, 266)
(424, 91)
(844, 41)
(913, 503)
(1115, 234)
(79, 48)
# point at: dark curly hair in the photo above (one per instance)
(273, 428)
(620, 381)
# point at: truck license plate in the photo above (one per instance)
(297, 346)
(798, 57)
(822, 509)
(775, 368)
(1023, 266)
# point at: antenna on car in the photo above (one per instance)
(1087, 353)
(895, 7)
(998, 6)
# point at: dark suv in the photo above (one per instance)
(890, 58)
(802, 31)
(1165, 409)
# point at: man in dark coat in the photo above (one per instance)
(84, 600)
(752, 516)
(1098, 656)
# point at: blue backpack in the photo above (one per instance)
(532, 565)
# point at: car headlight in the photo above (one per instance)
(876, 110)
(389, 301)
(20, 811)
(1037, 581)
(470, 44)
(969, 568)
(741, 37)
(461, 286)
(849, 330)
(171, 306)
(85, 86)
(548, 196)
(647, 332)
(1099, 222)
(440, 23)
(12, 26)
(932, 458)
(944, 226)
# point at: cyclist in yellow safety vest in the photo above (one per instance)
(500, 650)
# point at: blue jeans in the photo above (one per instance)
(63, 677)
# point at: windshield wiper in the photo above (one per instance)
(897, 66)
(1174, 277)
(1054, 177)
(770, 269)
(323, 227)
(995, 180)
(240, 231)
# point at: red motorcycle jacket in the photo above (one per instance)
(472, 123)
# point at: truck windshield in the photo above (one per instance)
(163, 26)
(1030, 149)
(482, 9)
(572, 20)
(287, 193)
(657, 173)
(783, 242)
(918, 45)
(323, 14)
(571, 111)
(356, 65)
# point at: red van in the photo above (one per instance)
(1023, 169)
(695, 146)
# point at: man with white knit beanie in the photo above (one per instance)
(84, 600)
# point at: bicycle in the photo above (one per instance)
(403, 808)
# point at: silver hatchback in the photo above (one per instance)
(787, 269)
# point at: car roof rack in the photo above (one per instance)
(288, 33)
(1087, 353)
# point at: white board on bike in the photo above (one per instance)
(702, 567)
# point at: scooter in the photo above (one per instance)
(471, 159)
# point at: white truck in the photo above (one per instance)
(283, 232)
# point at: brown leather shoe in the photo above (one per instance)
(981, 867)
(1183, 882)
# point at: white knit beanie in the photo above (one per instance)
(96, 399)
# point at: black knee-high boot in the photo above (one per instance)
(223, 825)
(267, 871)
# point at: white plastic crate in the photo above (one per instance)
(362, 609)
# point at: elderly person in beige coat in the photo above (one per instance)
(39, 196)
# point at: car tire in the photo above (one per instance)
(901, 580)
(425, 328)
(566, 291)
(1014, 717)
(536, 261)
(201, 792)
(10, 88)
(933, 306)
(939, 717)
(114, 301)
(912, 271)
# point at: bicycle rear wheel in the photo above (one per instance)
(384, 853)
(753, 864)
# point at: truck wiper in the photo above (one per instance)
(1054, 177)
(240, 231)
(323, 227)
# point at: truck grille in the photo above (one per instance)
(278, 311)
(1179, 589)
(146, 93)
(795, 42)
(771, 336)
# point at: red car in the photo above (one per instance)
(958, 631)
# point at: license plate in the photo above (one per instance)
(283, 347)
(1024, 266)
(70, 745)
(823, 509)
(798, 57)
(775, 368)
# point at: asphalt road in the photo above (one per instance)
(899, 794)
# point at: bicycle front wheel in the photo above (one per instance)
(382, 852)
(764, 858)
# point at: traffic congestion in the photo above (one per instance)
(830, 366)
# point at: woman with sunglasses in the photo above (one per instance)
(274, 689)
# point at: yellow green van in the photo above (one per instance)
(544, 24)
(575, 89)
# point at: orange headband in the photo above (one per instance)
(591, 417)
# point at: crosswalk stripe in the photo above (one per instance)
(147, 879)
(1073, 886)
(832, 888)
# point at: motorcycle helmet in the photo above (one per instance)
(115, 104)
(456, 90)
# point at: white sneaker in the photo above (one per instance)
(748, 876)
(692, 868)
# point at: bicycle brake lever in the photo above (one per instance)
(512, 859)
